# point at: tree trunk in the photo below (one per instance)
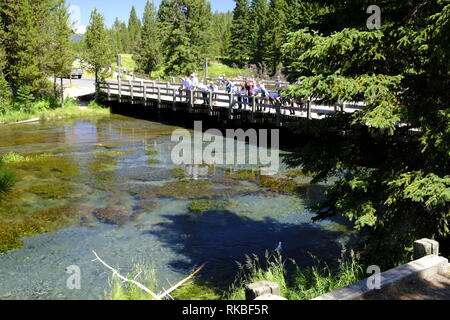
(62, 93)
(96, 85)
(54, 87)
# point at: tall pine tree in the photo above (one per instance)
(134, 30)
(60, 57)
(97, 51)
(149, 55)
(259, 13)
(241, 33)
(275, 35)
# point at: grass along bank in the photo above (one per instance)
(43, 110)
(303, 284)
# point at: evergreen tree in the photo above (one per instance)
(392, 180)
(221, 34)
(134, 30)
(149, 56)
(23, 26)
(116, 37)
(198, 27)
(180, 55)
(275, 34)
(97, 52)
(241, 33)
(259, 13)
(60, 57)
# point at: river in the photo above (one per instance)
(115, 190)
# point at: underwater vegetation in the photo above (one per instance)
(276, 184)
(147, 205)
(201, 206)
(38, 222)
(117, 215)
(52, 190)
(43, 165)
(182, 190)
(112, 154)
(7, 179)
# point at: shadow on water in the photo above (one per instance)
(221, 238)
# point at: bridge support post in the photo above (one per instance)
(131, 91)
(174, 100)
(159, 97)
(210, 102)
(309, 109)
(191, 101)
(252, 114)
(230, 109)
(278, 116)
(144, 93)
(120, 90)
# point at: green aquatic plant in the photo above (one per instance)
(201, 206)
(275, 184)
(152, 161)
(117, 215)
(112, 154)
(101, 165)
(147, 205)
(48, 220)
(45, 165)
(13, 157)
(178, 173)
(121, 290)
(151, 152)
(52, 190)
(184, 190)
(196, 291)
(7, 179)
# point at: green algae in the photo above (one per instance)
(42, 221)
(43, 166)
(147, 205)
(52, 190)
(202, 206)
(275, 184)
(195, 291)
(152, 161)
(178, 173)
(183, 190)
(117, 215)
(112, 154)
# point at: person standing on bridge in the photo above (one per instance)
(186, 86)
(194, 80)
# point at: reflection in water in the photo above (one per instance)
(109, 185)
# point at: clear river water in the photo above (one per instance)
(113, 182)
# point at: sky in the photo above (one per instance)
(81, 9)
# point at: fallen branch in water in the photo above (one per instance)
(115, 272)
(144, 288)
(179, 284)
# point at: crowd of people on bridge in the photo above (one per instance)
(242, 91)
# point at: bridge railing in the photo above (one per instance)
(161, 91)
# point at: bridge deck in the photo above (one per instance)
(166, 94)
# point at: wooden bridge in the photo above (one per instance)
(227, 106)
